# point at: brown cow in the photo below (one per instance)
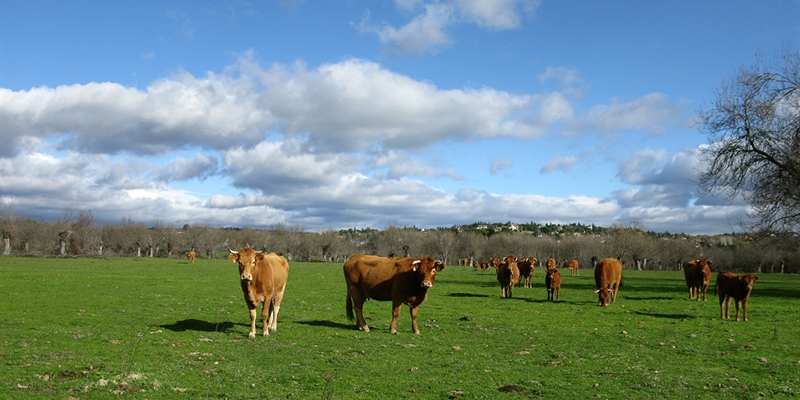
(552, 281)
(526, 268)
(698, 276)
(550, 263)
(507, 275)
(573, 267)
(737, 287)
(263, 279)
(401, 280)
(607, 275)
(190, 255)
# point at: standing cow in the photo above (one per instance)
(263, 279)
(733, 287)
(552, 281)
(573, 267)
(550, 263)
(698, 276)
(526, 268)
(607, 276)
(190, 255)
(401, 280)
(507, 275)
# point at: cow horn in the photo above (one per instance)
(416, 262)
(232, 252)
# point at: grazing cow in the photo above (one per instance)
(607, 275)
(550, 263)
(401, 280)
(526, 267)
(485, 265)
(573, 267)
(464, 262)
(263, 279)
(507, 275)
(552, 281)
(733, 287)
(190, 255)
(698, 276)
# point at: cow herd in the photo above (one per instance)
(407, 281)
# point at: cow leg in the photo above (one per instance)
(728, 306)
(737, 310)
(361, 323)
(395, 314)
(744, 309)
(558, 293)
(265, 317)
(414, 312)
(252, 323)
(275, 307)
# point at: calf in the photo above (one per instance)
(552, 281)
(550, 263)
(190, 256)
(698, 276)
(573, 267)
(607, 275)
(733, 287)
(401, 280)
(526, 267)
(263, 280)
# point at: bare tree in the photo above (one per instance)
(753, 127)
(8, 226)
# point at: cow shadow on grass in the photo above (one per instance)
(668, 316)
(467, 295)
(328, 324)
(192, 324)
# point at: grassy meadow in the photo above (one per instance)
(164, 329)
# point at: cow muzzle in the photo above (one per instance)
(426, 284)
(247, 277)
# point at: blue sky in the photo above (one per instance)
(340, 114)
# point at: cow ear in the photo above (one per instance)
(709, 262)
(260, 256)
(234, 257)
(755, 278)
(439, 265)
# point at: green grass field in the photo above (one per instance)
(163, 329)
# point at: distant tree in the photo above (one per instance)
(753, 129)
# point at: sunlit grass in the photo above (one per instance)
(162, 328)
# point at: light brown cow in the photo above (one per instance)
(401, 280)
(573, 267)
(507, 275)
(733, 287)
(526, 268)
(263, 279)
(698, 276)
(607, 275)
(552, 281)
(550, 263)
(190, 255)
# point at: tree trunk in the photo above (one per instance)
(6, 246)
(63, 248)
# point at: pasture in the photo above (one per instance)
(163, 329)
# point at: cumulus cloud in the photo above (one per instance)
(181, 169)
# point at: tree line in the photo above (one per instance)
(80, 235)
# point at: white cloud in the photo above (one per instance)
(427, 31)
(653, 113)
(499, 164)
(561, 163)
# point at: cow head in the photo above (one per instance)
(748, 280)
(602, 294)
(427, 268)
(247, 259)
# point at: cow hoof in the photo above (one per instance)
(252, 335)
(266, 333)
(416, 333)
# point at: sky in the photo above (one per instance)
(338, 114)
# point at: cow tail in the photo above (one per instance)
(349, 307)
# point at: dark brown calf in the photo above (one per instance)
(552, 281)
(733, 287)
